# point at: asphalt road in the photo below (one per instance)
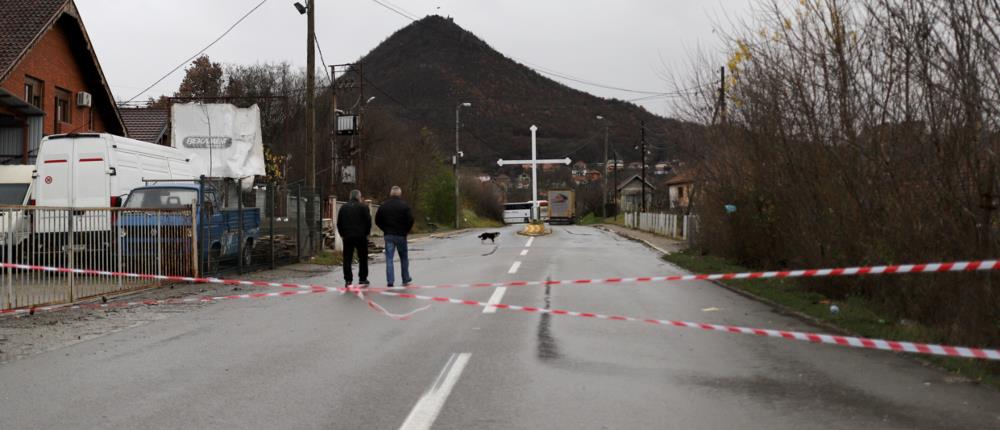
(327, 361)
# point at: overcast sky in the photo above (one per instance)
(625, 43)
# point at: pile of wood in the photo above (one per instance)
(284, 246)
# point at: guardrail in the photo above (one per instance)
(155, 241)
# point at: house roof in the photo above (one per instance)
(145, 124)
(633, 179)
(24, 23)
(686, 177)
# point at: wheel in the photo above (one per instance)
(213, 260)
(247, 254)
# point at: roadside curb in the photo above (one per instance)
(777, 306)
(643, 241)
(782, 309)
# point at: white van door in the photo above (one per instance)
(54, 184)
(92, 187)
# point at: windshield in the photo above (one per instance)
(156, 198)
(517, 206)
(12, 194)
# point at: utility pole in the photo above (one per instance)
(616, 185)
(361, 129)
(334, 149)
(310, 95)
(457, 156)
(722, 94)
(604, 187)
(642, 124)
(604, 176)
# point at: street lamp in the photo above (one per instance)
(604, 176)
(458, 154)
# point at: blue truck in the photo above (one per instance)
(222, 235)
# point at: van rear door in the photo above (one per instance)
(91, 182)
(54, 183)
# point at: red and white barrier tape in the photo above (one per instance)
(855, 342)
(188, 300)
(206, 299)
(949, 267)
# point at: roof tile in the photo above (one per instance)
(146, 124)
(20, 23)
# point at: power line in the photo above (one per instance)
(398, 10)
(321, 59)
(217, 39)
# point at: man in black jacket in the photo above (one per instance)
(354, 223)
(395, 219)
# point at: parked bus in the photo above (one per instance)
(515, 213)
(520, 212)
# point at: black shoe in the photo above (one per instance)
(364, 284)
(408, 283)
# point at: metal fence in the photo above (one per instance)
(152, 241)
(271, 225)
(664, 224)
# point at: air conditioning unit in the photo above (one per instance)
(84, 99)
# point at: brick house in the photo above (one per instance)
(148, 124)
(50, 79)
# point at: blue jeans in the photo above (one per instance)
(395, 243)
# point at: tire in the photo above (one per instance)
(214, 257)
(247, 254)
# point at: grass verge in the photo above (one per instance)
(329, 258)
(857, 315)
(591, 219)
(472, 220)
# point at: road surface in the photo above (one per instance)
(328, 362)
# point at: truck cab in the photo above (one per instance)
(224, 233)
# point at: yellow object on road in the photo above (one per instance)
(534, 230)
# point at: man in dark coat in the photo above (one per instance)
(354, 223)
(395, 219)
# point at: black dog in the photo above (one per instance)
(491, 236)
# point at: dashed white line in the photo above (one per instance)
(494, 299)
(524, 252)
(426, 410)
(528, 245)
(514, 267)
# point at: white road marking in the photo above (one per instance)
(524, 252)
(514, 267)
(426, 410)
(494, 299)
(528, 245)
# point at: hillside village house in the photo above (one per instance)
(630, 194)
(679, 189)
(50, 79)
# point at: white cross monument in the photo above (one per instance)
(534, 162)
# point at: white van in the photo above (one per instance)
(15, 190)
(97, 171)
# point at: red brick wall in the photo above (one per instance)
(52, 61)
